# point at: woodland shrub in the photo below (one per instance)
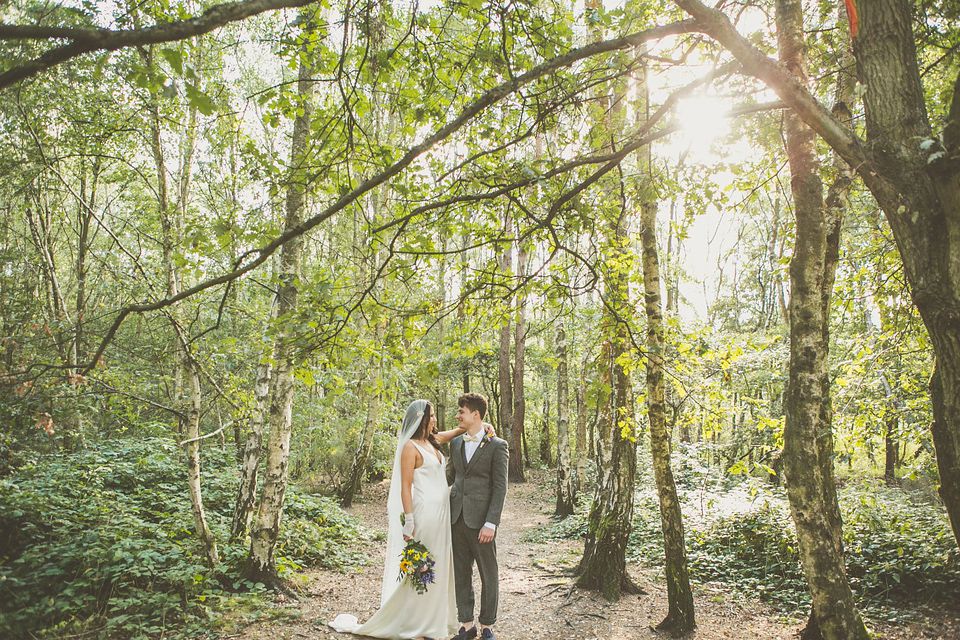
(102, 542)
(901, 554)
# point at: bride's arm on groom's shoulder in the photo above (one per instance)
(443, 437)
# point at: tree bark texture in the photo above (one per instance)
(261, 561)
(680, 616)
(207, 540)
(566, 489)
(517, 426)
(546, 445)
(362, 456)
(250, 462)
(505, 373)
(610, 521)
(584, 444)
(169, 225)
(603, 566)
(807, 435)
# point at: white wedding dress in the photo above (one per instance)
(404, 613)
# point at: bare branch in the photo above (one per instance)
(206, 435)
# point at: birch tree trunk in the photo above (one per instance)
(610, 521)
(351, 486)
(584, 446)
(517, 426)
(566, 488)
(170, 229)
(193, 441)
(680, 616)
(546, 447)
(261, 561)
(250, 463)
(807, 434)
(171, 221)
(505, 375)
(604, 565)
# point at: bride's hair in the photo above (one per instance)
(424, 426)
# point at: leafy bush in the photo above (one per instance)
(102, 541)
(756, 552)
(900, 552)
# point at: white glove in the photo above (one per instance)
(408, 525)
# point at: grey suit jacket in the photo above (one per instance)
(478, 489)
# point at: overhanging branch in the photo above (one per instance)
(89, 40)
(469, 112)
(715, 23)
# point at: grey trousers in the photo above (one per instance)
(467, 550)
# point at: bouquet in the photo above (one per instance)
(416, 565)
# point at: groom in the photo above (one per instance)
(477, 473)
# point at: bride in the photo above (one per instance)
(418, 490)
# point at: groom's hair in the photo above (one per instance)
(473, 402)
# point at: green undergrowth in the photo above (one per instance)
(901, 555)
(101, 543)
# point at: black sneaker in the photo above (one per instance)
(488, 634)
(466, 634)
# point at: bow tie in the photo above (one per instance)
(469, 438)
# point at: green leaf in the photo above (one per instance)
(200, 100)
(174, 58)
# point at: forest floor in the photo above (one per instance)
(537, 596)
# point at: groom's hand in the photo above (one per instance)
(486, 535)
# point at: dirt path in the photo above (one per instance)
(537, 599)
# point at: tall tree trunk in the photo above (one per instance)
(891, 456)
(250, 462)
(546, 447)
(807, 435)
(517, 433)
(40, 232)
(610, 521)
(566, 486)
(461, 315)
(185, 366)
(170, 229)
(680, 615)
(351, 486)
(891, 443)
(584, 444)
(192, 431)
(261, 561)
(84, 219)
(505, 374)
